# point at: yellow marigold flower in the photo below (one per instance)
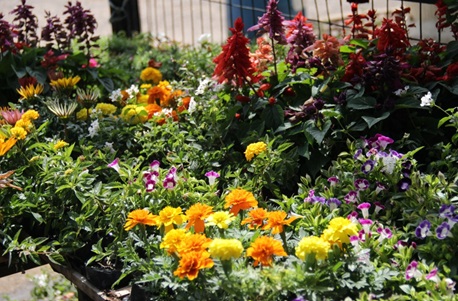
(254, 149)
(196, 214)
(339, 230)
(139, 216)
(255, 218)
(19, 133)
(106, 108)
(313, 245)
(134, 114)
(172, 239)
(276, 220)
(263, 249)
(142, 98)
(225, 249)
(191, 263)
(221, 219)
(240, 199)
(192, 243)
(83, 114)
(30, 115)
(150, 74)
(66, 83)
(145, 86)
(170, 216)
(5, 146)
(25, 124)
(60, 144)
(30, 91)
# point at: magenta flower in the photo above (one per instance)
(115, 165)
(366, 223)
(385, 233)
(333, 181)
(353, 216)
(150, 176)
(150, 185)
(272, 23)
(212, 176)
(155, 165)
(311, 194)
(412, 271)
(171, 179)
(433, 276)
(364, 207)
(361, 184)
(11, 116)
(383, 141)
(350, 197)
(379, 187)
(378, 207)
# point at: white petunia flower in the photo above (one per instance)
(427, 100)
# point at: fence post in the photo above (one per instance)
(124, 16)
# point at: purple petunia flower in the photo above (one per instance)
(115, 165)
(353, 216)
(211, 175)
(404, 184)
(383, 141)
(318, 199)
(150, 185)
(364, 207)
(311, 194)
(368, 166)
(443, 230)
(272, 23)
(452, 220)
(379, 187)
(358, 154)
(433, 276)
(361, 184)
(333, 203)
(169, 182)
(350, 197)
(446, 211)
(423, 229)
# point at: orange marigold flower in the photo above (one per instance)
(153, 109)
(172, 240)
(170, 216)
(240, 199)
(196, 215)
(255, 218)
(276, 220)
(191, 263)
(193, 243)
(263, 249)
(158, 95)
(139, 216)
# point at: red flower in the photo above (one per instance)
(355, 67)
(392, 37)
(233, 64)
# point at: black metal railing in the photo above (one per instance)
(189, 21)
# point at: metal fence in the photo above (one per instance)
(189, 21)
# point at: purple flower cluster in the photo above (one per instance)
(443, 231)
(272, 23)
(333, 203)
(25, 24)
(7, 36)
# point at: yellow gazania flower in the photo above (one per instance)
(254, 149)
(60, 144)
(30, 91)
(139, 216)
(66, 83)
(313, 245)
(30, 115)
(221, 219)
(5, 146)
(225, 249)
(150, 74)
(25, 124)
(170, 216)
(19, 133)
(263, 249)
(191, 263)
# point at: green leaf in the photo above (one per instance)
(362, 103)
(56, 258)
(371, 121)
(273, 116)
(319, 134)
